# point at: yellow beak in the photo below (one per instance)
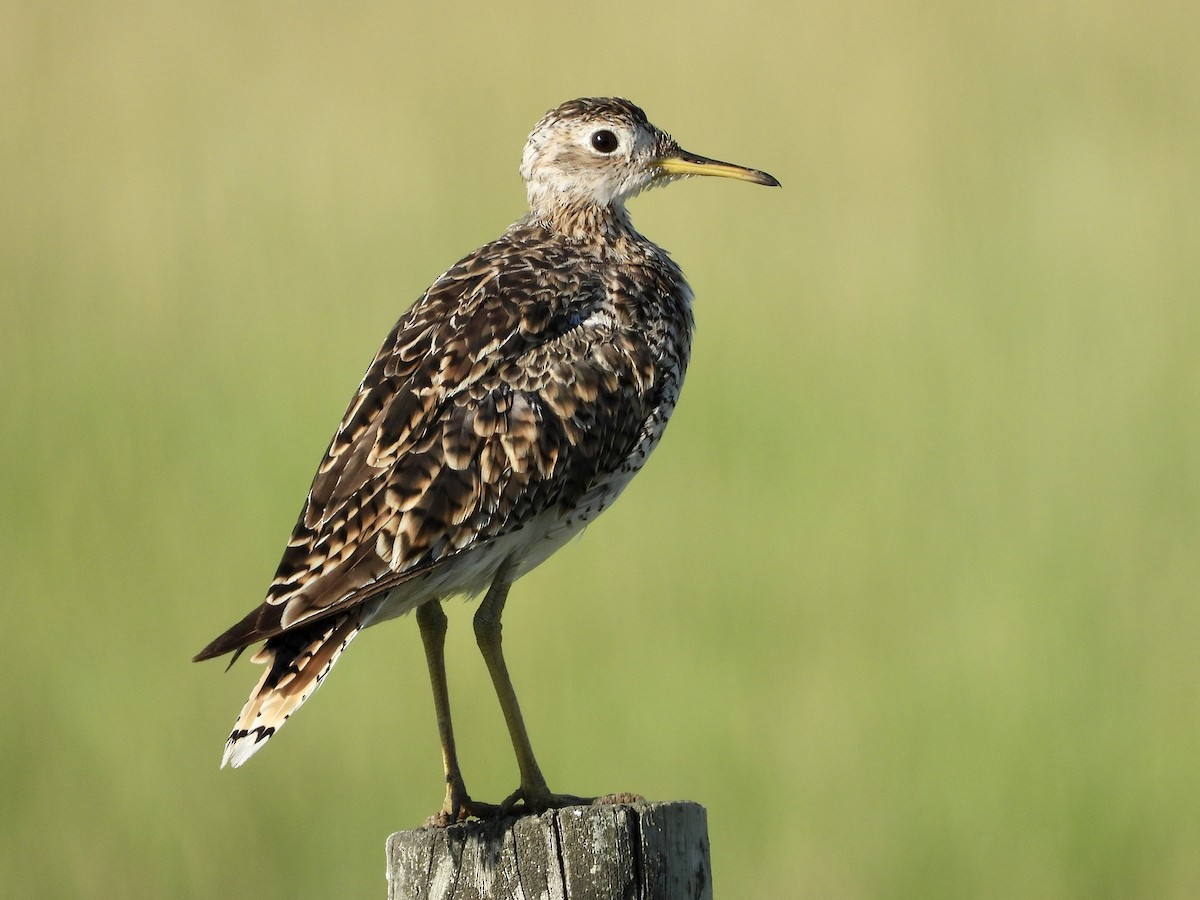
(681, 162)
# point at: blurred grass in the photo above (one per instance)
(908, 596)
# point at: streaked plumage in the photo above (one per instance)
(507, 408)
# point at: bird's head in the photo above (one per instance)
(599, 152)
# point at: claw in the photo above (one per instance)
(522, 802)
(519, 803)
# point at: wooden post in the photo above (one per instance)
(636, 851)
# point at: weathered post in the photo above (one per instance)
(627, 851)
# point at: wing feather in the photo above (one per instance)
(506, 390)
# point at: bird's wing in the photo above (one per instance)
(506, 390)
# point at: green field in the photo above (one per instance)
(908, 596)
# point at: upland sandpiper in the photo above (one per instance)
(507, 408)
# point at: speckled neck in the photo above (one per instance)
(584, 223)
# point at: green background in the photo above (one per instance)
(906, 598)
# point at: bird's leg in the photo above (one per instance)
(533, 790)
(458, 804)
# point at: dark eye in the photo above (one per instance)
(605, 141)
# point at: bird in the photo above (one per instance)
(507, 408)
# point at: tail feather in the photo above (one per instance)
(297, 662)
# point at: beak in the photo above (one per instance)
(680, 162)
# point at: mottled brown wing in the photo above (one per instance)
(509, 388)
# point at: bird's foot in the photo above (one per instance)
(531, 801)
(524, 801)
(458, 807)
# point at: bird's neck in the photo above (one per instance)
(584, 222)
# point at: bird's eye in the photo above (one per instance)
(605, 141)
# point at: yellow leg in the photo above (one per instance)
(533, 790)
(432, 622)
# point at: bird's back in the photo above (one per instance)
(507, 408)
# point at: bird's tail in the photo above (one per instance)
(297, 662)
